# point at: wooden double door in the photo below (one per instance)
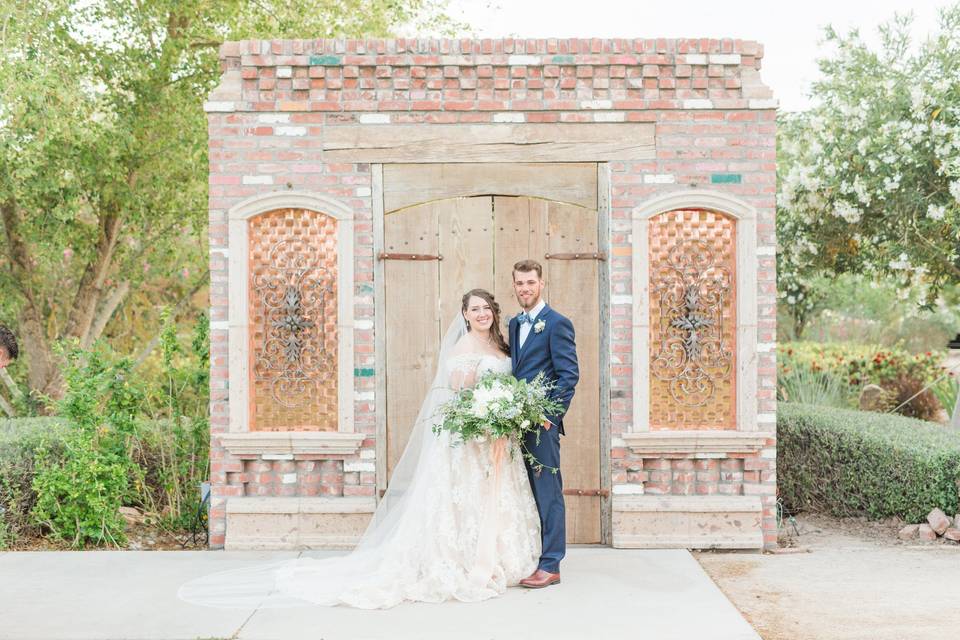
(469, 242)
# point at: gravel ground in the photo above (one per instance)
(843, 579)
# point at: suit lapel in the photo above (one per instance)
(514, 328)
(533, 335)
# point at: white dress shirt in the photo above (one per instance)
(526, 327)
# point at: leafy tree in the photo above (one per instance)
(869, 178)
(103, 153)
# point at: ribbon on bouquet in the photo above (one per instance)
(498, 450)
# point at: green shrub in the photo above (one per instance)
(174, 459)
(902, 374)
(808, 386)
(856, 463)
(862, 364)
(122, 439)
(173, 448)
(19, 441)
(948, 392)
(168, 464)
(79, 493)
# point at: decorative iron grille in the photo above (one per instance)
(293, 317)
(693, 320)
(692, 352)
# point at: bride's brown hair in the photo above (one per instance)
(495, 307)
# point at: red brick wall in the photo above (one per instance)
(715, 128)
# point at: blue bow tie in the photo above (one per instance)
(524, 318)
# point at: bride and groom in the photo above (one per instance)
(459, 521)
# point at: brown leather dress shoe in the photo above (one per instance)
(540, 579)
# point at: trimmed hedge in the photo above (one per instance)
(856, 463)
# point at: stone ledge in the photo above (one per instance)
(296, 523)
(264, 504)
(293, 442)
(692, 442)
(688, 522)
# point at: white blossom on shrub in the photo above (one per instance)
(869, 178)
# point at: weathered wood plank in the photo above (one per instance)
(536, 142)
(410, 184)
(510, 245)
(380, 327)
(574, 293)
(538, 241)
(465, 238)
(603, 244)
(412, 326)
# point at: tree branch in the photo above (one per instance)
(7, 380)
(952, 268)
(88, 293)
(43, 374)
(7, 408)
(106, 312)
(16, 249)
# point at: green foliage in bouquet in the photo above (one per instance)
(500, 406)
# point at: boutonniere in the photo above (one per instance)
(538, 327)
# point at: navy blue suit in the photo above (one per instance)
(552, 351)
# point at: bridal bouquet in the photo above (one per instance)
(499, 406)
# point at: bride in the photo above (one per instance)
(458, 521)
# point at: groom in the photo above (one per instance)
(542, 340)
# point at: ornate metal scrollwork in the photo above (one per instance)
(692, 352)
(293, 290)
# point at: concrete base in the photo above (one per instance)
(689, 522)
(296, 523)
(605, 593)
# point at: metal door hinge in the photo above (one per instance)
(576, 256)
(604, 493)
(420, 257)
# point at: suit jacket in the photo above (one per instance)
(552, 351)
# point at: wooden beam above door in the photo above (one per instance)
(526, 142)
(405, 185)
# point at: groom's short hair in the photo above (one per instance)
(528, 265)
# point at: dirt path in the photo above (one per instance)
(857, 581)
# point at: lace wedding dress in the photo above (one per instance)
(458, 522)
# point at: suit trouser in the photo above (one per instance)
(548, 493)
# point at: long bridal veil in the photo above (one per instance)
(357, 576)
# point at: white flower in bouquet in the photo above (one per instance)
(499, 406)
(479, 407)
(484, 397)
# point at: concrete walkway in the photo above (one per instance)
(130, 595)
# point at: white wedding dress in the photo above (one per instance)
(458, 522)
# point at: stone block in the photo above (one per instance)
(938, 521)
(691, 522)
(296, 522)
(909, 532)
